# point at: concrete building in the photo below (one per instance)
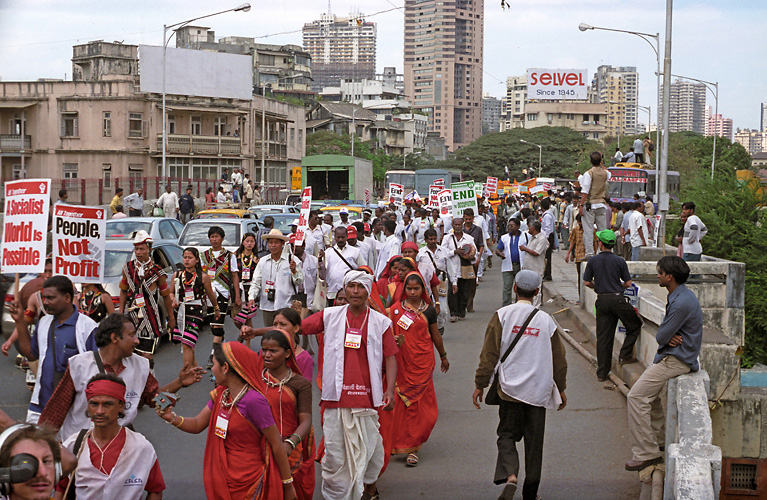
(341, 48)
(361, 91)
(763, 118)
(513, 105)
(100, 132)
(491, 114)
(618, 87)
(283, 68)
(718, 125)
(687, 108)
(584, 117)
(443, 66)
(752, 140)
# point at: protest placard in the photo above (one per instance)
(303, 217)
(396, 194)
(367, 197)
(492, 185)
(479, 189)
(434, 195)
(445, 202)
(79, 241)
(25, 225)
(464, 196)
(439, 182)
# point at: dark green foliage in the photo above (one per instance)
(737, 230)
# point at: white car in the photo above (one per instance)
(195, 233)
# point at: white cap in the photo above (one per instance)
(140, 237)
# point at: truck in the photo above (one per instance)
(337, 177)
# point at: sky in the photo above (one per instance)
(714, 40)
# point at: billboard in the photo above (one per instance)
(196, 73)
(554, 84)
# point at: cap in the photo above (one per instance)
(344, 211)
(351, 232)
(274, 234)
(292, 238)
(294, 223)
(527, 280)
(607, 236)
(140, 237)
(366, 227)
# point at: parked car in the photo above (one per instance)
(355, 212)
(283, 222)
(262, 211)
(225, 213)
(161, 229)
(195, 232)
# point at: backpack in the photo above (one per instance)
(651, 146)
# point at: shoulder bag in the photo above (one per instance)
(492, 397)
(467, 268)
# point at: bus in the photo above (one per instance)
(628, 179)
(420, 180)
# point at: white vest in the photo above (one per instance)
(83, 329)
(333, 367)
(527, 375)
(128, 478)
(82, 367)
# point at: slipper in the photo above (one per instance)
(508, 491)
(412, 460)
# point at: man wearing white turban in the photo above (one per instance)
(358, 343)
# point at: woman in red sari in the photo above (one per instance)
(374, 300)
(390, 275)
(238, 462)
(415, 328)
(290, 397)
(396, 288)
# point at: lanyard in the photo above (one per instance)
(364, 321)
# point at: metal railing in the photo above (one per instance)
(202, 144)
(12, 142)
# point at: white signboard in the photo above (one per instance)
(439, 182)
(367, 197)
(434, 196)
(479, 189)
(79, 241)
(25, 225)
(396, 194)
(464, 196)
(557, 83)
(303, 218)
(492, 184)
(445, 202)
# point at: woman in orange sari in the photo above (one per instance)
(415, 328)
(390, 275)
(290, 397)
(241, 433)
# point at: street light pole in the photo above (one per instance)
(354, 129)
(663, 201)
(165, 41)
(540, 153)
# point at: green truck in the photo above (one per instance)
(337, 177)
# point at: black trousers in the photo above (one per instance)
(547, 270)
(520, 421)
(135, 212)
(457, 301)
(611, 308)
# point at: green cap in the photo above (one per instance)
(607, 236)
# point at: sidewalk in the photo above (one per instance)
(564, 277)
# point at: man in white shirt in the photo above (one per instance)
(481, 222)
(618, 157)
(547, 228)
(460, 269)
(694, 231)
(636, 230)
(312, 269)
(236, 184)
(317, 231)
(535, 250)
(592, 206)
(352, 239)
(639, 150)
(340, 259)
(432, 261)
(511, 263)
(168, 201)
(344, 218)
(135, 202)
(221, 196)
(277, 277)
(390, 248)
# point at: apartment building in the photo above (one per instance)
(687, 107)
(491, 114)
(584, 117)
(717, 125)
(443, 66)
(753, 141)
(618, 87)
(100, 131)
(763, 117)
(513, 105)
(341, 48)
(361, 91)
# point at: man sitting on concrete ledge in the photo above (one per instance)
(679, 337)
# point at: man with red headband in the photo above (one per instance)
(114, 462)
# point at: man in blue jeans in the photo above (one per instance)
(508, 250)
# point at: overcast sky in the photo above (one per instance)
(714, 40)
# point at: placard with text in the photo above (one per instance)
(25, 225)
(79, 241)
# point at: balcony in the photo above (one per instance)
(202, 144)
(10, 143)
(273, 151)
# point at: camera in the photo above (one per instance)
(270, 292)
(588, 205)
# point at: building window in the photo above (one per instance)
(219, 126)
(70, 175)
(18, 173)
(136, 174)
(106, 123)
(292, 137)
(300, 138)
(135, 125)
(196, 125)
(531, 117)
(106, 169)
(69, 125)
(171, 124)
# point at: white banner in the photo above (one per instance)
(434, 196)
(79, 241)
(367, 197)
(551, 84)
(396, 194)
(25, 225)
(464, 196)
(439, 182)
(445, 203)
(303, 218)
(492, 185)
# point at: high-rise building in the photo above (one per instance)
(491, 114)
(340, 48)
(687, 108)
(717, 125)
(513, 105)
(618, 87)
(753, 140)
(763, 124)
(443, 66)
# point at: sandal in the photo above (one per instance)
(412, 460)
(368, 496)
(508, 491)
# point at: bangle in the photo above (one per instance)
(292, 444)
(179, 424)
(299, 438)
(173, 414)
(443, 355)
(287, 481)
